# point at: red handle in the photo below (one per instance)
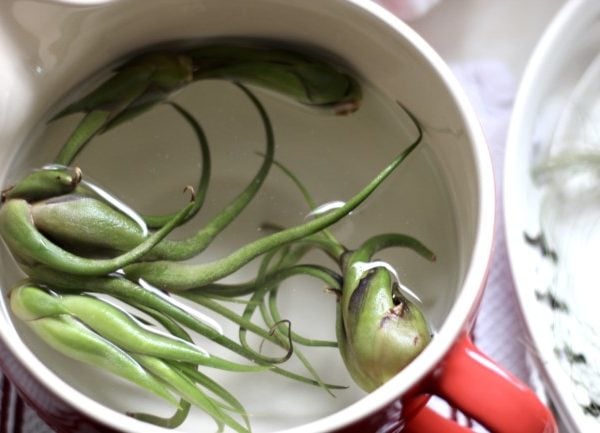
(472, 383)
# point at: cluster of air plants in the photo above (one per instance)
(82, 250)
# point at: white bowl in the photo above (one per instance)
(556, 110)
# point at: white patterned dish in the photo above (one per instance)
(558, 110)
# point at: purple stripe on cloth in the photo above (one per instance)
(18, 414)
(15, 415)
(5, 405)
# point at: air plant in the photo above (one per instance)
(86, 254)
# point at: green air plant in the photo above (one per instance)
(104, 284)
(379, 328)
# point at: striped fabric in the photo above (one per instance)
(15, 415)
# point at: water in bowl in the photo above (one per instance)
(147, 162)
